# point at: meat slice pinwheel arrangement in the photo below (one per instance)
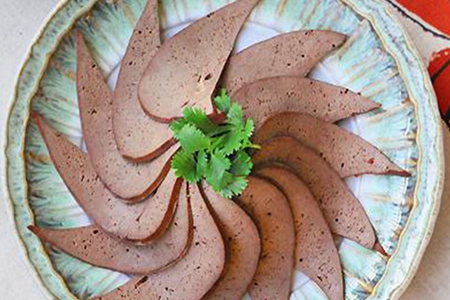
(211, 174)
(129, 120)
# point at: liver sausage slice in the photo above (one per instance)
(266, 97)
(191, 277)
(138, 136)
(315, 251)
(346, 152)
(141, 222)
(94, 246)
(294, 53)
(343, 211)
(185, 71)
(242, 243)
(126, 179)
(272, 214)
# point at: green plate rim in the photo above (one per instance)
(375, 12)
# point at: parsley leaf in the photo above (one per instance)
(231, 142)
(202, 163)
(235, 115)
(223, 101)
(217, 167)
(221, 130)
(197, 117)
(215, 152)
(185, 166)
(192, 139)
(234, 186)
(176, 126)
(248, 128)
(241, 164)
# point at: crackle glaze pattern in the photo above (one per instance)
(377, 60)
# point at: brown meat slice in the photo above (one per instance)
(184, 72)
(346, 152)
(242, 243)
(94, 246)
(141, 222)
(343, 211)
(266, 97)
(191, 277)
(126, 179)
(315, 251)
(294, 53)
(271, 212)
(138, 136)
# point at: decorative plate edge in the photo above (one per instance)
(24, 245)
(436, 152)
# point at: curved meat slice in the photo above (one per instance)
(139, 137)
(141, 222)
(92, 245)
(191, 277)
(294, 53)
(346, 152)
(186, 69)
(156, 217)
(126, 179)
(271, 212)
(344, 213)
(243, 246)
(266, 97)
(315, 251)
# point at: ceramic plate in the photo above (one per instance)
(377, 60)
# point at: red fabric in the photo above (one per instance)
(439, 69)
(434, 12)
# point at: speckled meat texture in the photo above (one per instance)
(109, 212)
(315, 251)
(346, 152)
(92, 245)
(344, 213)
(191, 277)
(126, 179)
(155, 218)
(266, 97)
(294, 53)
(243, 246)
(270, 210)
(186, 69)
(139, 137)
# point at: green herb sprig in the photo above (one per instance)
(215, 152)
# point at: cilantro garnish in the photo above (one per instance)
(214, 152)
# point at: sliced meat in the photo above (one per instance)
(155, 218)
(271, 212)
(315, 251)
(242, 243)
(346, 152)
(266, 97)
(126, 179)
(94, 246)
(186, 69)
(191, 277)
(139, 137)
(141, 222)
(294, 53)
(344, 213)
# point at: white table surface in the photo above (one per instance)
(20, 21)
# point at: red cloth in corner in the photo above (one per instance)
(434, 12)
